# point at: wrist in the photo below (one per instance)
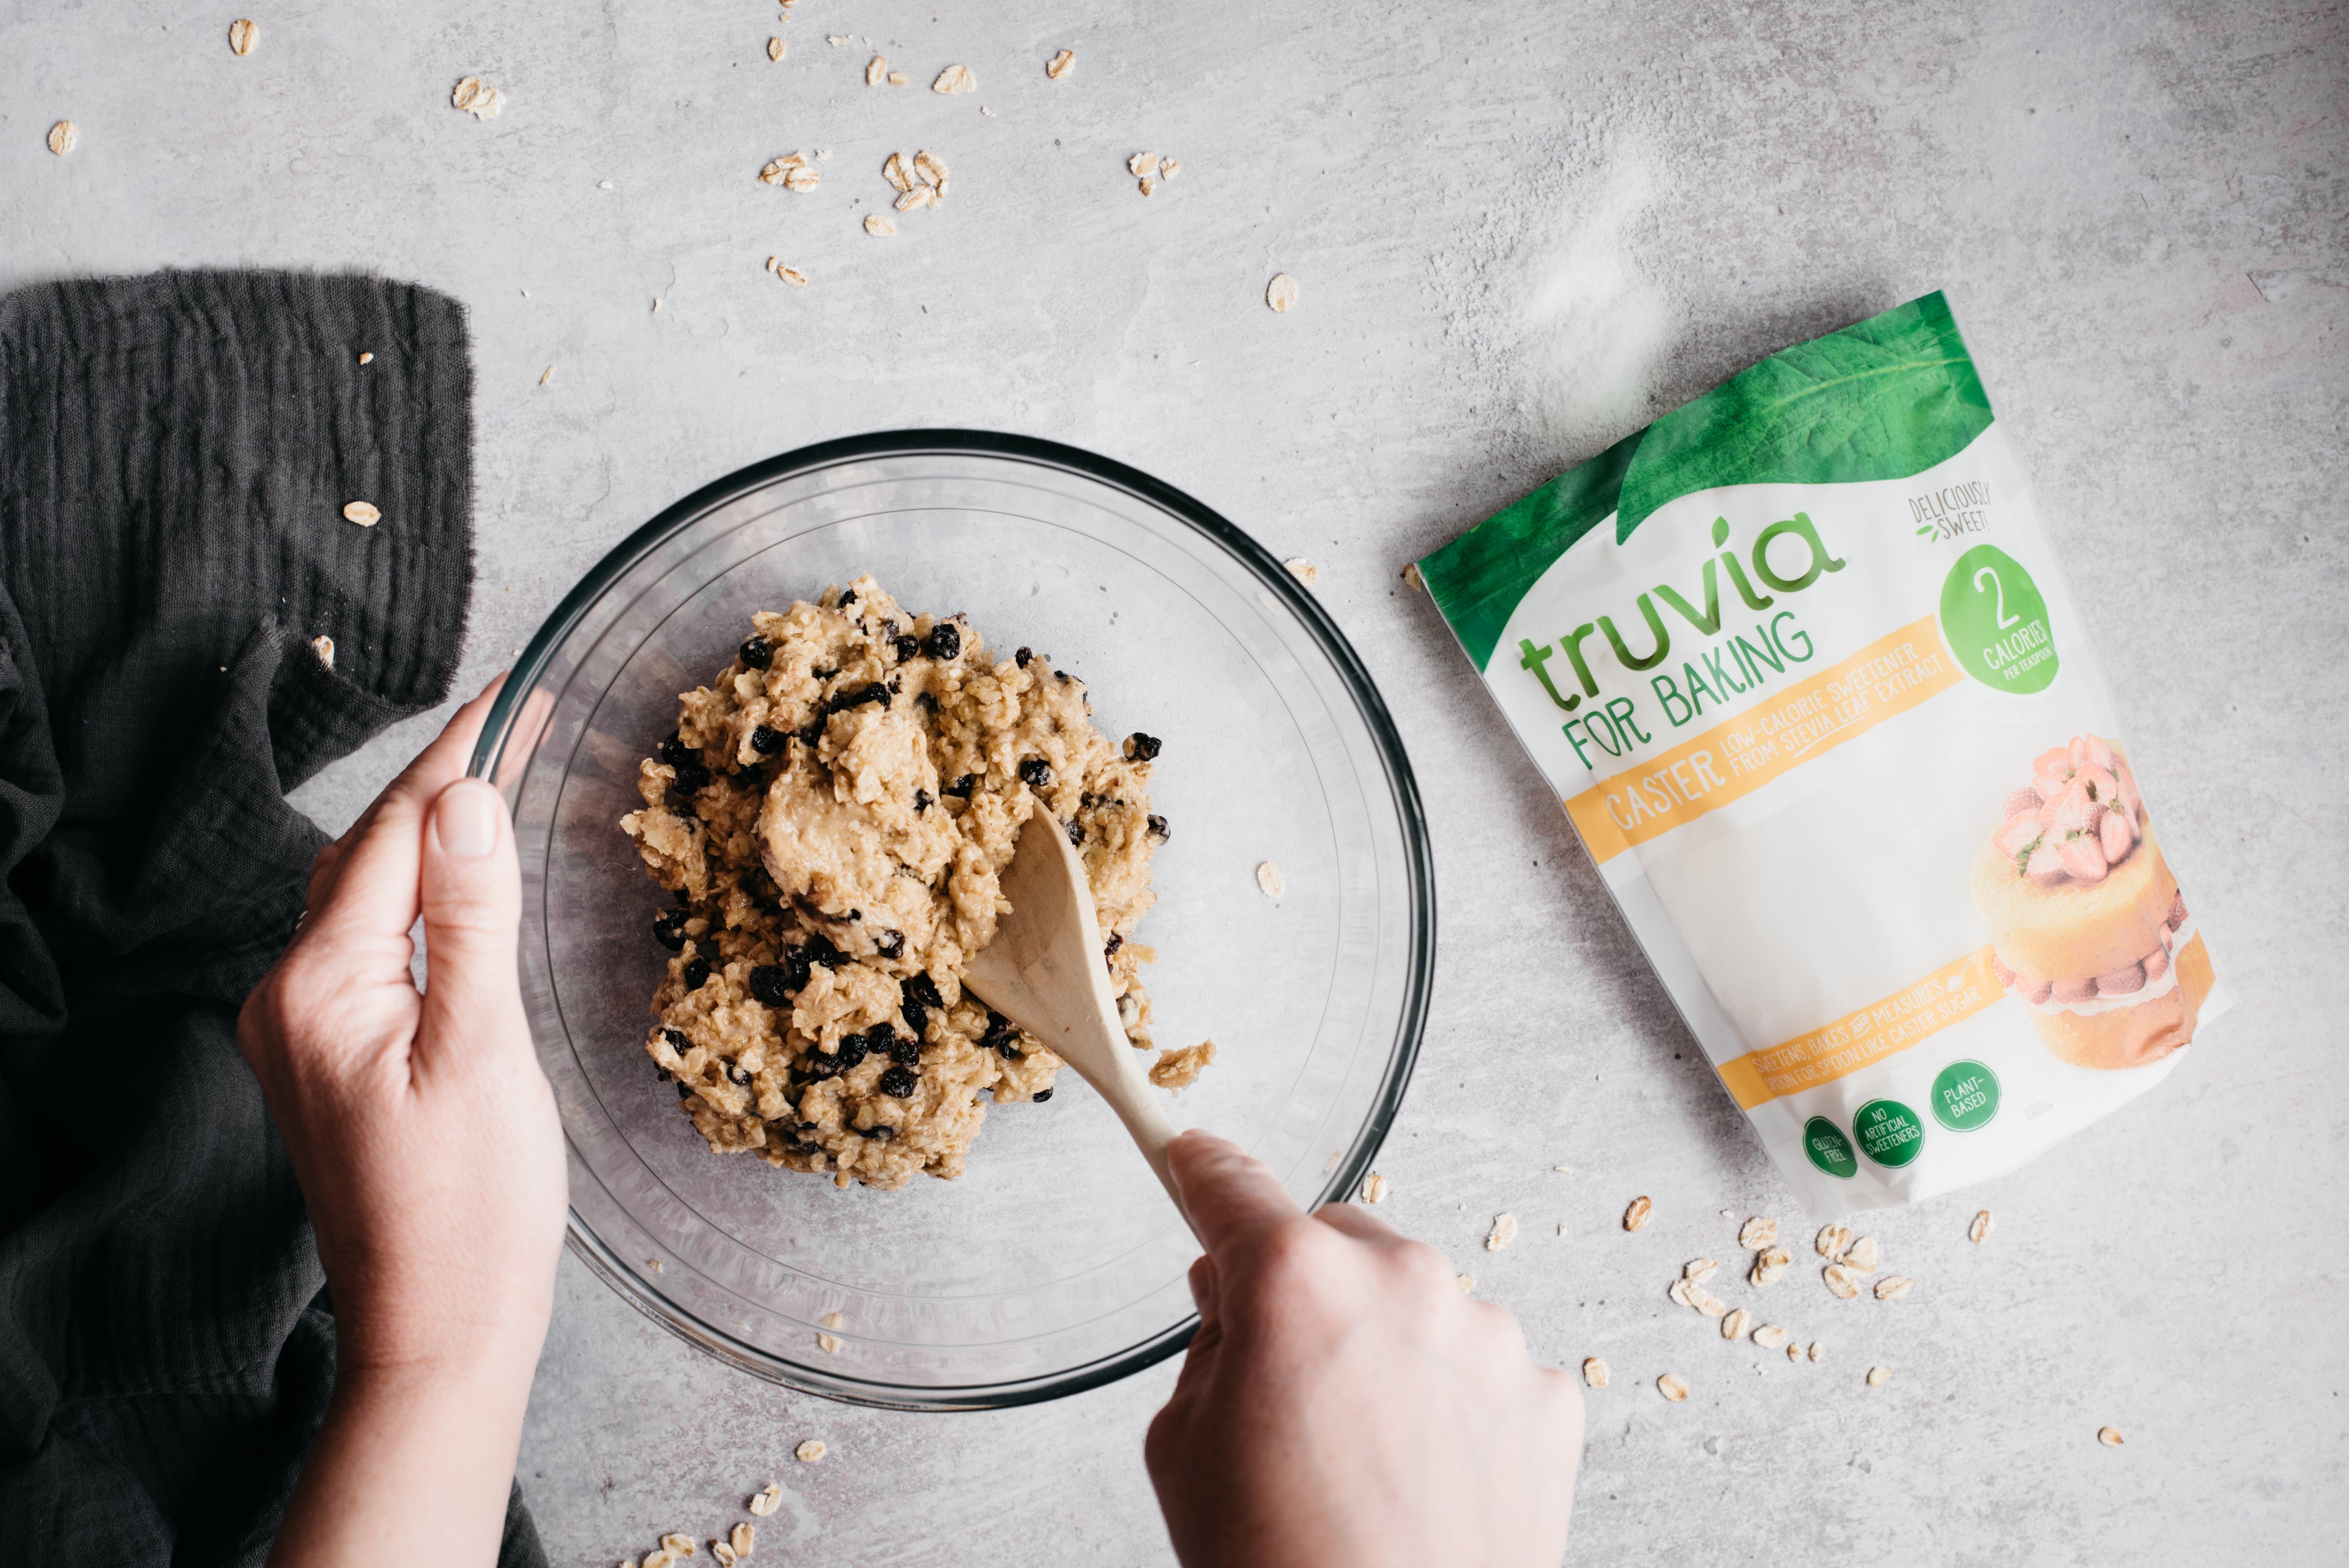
(393, 1348)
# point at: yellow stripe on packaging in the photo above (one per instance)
(1771, 738)
(1948, 995)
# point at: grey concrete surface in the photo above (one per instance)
(1520, 229)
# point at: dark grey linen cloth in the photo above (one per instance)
(175, 453)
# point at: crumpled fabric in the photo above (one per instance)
(175, 453)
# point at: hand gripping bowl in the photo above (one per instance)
(1056, 1264)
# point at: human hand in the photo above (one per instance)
(1343, 1403)
(430, 1157)
(424, 1134)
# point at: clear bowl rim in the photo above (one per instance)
(1274, 578)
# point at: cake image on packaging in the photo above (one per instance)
(2085, 921)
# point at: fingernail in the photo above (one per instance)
(465, 819)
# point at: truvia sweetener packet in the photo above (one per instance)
(1800, 665)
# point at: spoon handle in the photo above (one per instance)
(1130, 1096)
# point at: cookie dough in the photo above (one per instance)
(1181, 1069)
(832, 814)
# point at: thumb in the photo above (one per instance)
(1230, 1195)
(472, 900)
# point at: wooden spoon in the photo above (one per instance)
(1046, 972)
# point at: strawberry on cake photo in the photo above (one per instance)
(2085, 922)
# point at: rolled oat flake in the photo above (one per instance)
(1800, 662)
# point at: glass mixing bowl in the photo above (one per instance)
(1056, 1264)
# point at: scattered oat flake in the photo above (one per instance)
(764, 1500)
(1734, 1326)
(1505, 1231)
(793, 275)
(1563, 1170)
(931, 170)
(1980, 1230)
(1281, 292)
(681, 1545)
(1699, 1269)
(2110, 1437)
(876, 70)
(1758, 1233)
(654, 1264)
(363, 513)
(1060, 65)
(776, 48)
(1840, 1281)
(954, 78)
(367, 358)
(1708, 1304)
(1770, 1265)
(1467, 1282)
(1143, 163)
(1877, 1377)
(777, 169)
(62, 136)
(1303, 570)
(1684, 1291)
(477, 98)
(723, 1553)
(1168, 169)
(801, 179)
(1411, 576)
(745, 1535)
(1770, 1336)
(1818, 1352)
(807, 1453)
(242, 35)
(1673, 1388)
(1636, 1215)
(1833, 1242)
(1594, 1372)
(324, 646)
(1374, 1189)
(1146, 185)
(897, 172)
(874, 223)
(917, 198)
(546, 376)
(1794, 1351)
(898, 79)
(659, 1559)
(1270, 880)
(1892, 1287)
(1862, 1256)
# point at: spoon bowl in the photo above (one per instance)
(1046, 972)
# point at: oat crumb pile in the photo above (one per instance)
(830, 815)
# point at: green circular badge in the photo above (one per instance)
(1889, 1132)
(1997, 623)
(1829, 1149)
(1965, 1096)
